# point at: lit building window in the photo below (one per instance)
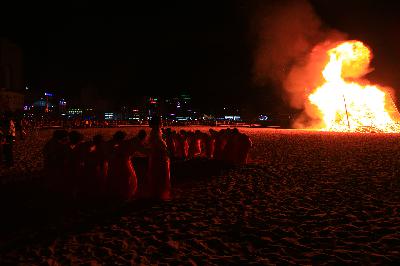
(109, 116)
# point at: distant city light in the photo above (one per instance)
(232, 117)
(75, 111)
(108, 116)
(48, 94)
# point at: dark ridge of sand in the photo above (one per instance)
(305, 198)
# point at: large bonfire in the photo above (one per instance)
(347, 103)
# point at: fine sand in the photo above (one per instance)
(304, 198)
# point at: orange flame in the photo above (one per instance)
(346, 105)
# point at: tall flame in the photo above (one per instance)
(346, 105)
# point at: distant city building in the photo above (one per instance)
(232, 117)
(62, 106)
(229, 114)
(134, 115)
(153, 106)
(43, 105)
(109, 116)
(179, 108)
(74, 112)
(128, 114)
(46, 103)
(89, 113)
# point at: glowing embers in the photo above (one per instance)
(345, 103)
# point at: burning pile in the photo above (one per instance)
(345, 102)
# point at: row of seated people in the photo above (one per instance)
(138, 167)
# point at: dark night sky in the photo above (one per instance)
(204, 48)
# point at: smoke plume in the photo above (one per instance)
(291, 52)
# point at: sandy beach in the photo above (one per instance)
(305, 198)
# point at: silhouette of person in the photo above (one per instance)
(243, 148)
(139, 143)
(94, 168)
(230, 151)
(159, 184)
(121, 177)
(220, 142)
(179, 145)
(140, 160)
(55, 158)
(208, 141)
(74, 167)
(2, 139)
(9, 129)
(169, 139)
(194, 144)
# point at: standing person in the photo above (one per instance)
(197, 148)
(244, 145)
(230, 151)
(140, 160)
(94, 168)
(185, 143)
(121, 176)
(159, 184)
(191, 144)
(23, 127)
(179, 148)
(2, 141)
(139, 142)
(19, 128)
(169, 139)
(9, 129)
(194, 144)
(55, 153)
(220, 142)
(74, 164)
(208, 145)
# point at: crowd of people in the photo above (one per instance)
(125, 168)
